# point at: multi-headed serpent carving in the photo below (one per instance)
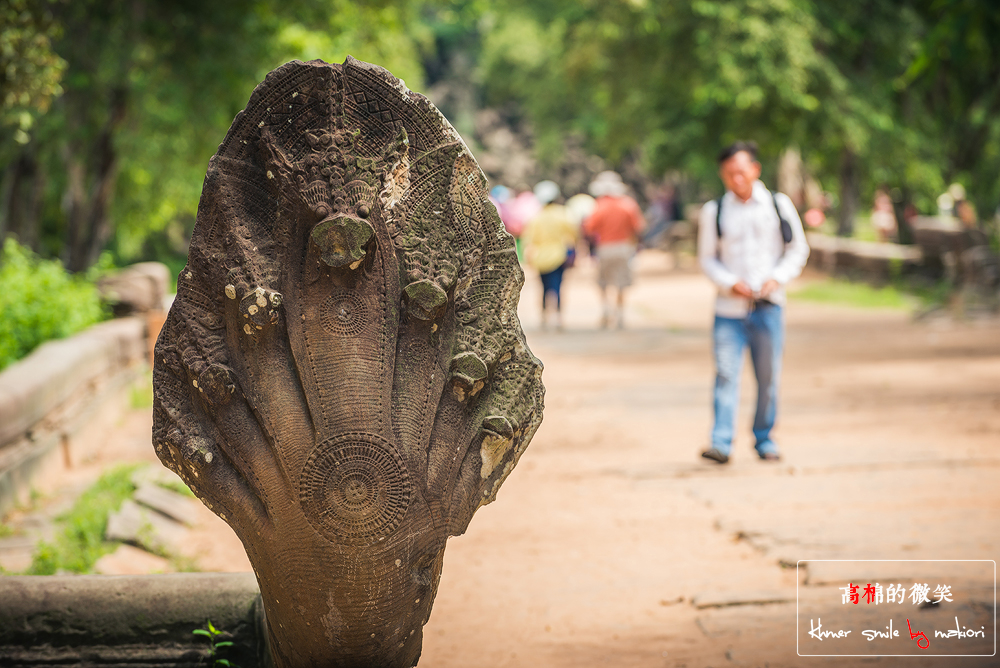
(342, 376)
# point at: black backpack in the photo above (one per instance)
(786, 228)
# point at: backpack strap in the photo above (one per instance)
(786, 228)
(718, 217)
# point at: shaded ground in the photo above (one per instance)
(614, 543)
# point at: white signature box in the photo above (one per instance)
(896, 607)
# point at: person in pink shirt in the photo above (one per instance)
(614, 227)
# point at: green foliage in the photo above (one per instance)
(675, 80)
(875, 94)
(30, 70)
(150, 88)
(955, 74)
(385, 33)
(81, 541)
(39, 301)
(215, 644)
(124, 102)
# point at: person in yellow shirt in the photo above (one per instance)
(549, 247)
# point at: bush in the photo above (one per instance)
(39, 300)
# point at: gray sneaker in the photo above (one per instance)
(715, 456)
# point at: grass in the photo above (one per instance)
(81, 541)
(841, 291)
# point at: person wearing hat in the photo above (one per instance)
(614, 227)
(549, 246)
(750, 244)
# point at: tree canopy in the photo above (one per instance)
(885, 93)
(117, 105)
(109, 110)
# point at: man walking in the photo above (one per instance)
(750, 244)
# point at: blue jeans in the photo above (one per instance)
(763, 330)
(552, 283)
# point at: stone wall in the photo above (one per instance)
(870, 261)
(57, 404)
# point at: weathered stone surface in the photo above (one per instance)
(34, 386)
(53, 401)
(138, 288)
(870, 260)
(342, 376)
(86, 620)
(143, 526)
(171, 504)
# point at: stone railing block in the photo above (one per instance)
(129, 620)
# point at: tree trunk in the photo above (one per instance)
(904, 232)
(848, 193)
(21, 199)
(88, 220)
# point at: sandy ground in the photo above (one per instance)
(614, 543)
(612, 530)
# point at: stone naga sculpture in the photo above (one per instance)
(342, 376)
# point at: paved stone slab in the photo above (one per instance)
(16, 553)
(173, 505)
(143, 526)
(128, 560)
(155, 474)
(820, 573)
(733, 598)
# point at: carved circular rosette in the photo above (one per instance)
(355, 489)
(345, 313)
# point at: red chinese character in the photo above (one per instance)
(854, 593)
(869, 593)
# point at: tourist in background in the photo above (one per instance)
(883, 216)
(549, 239)
(663, 211)
(614, 228)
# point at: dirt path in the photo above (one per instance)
(612, 530)
(614, 543)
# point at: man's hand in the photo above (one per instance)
(741, 289)
(770, 286)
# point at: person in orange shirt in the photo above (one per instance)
(614, 227)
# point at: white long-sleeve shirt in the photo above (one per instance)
(751, 248)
